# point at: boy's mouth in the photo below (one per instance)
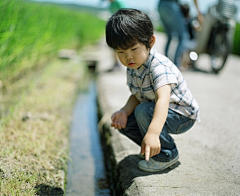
(131, 64)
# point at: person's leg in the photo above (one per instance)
(132, 130)
(143, 114)
(169, 38)
(137, 126)
(174, 23)
(180, 27)
(163, 10)
(183, 38)
(175, 124)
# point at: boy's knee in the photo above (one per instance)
(144, 110)
(138, 112)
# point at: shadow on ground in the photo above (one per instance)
(46, 190)
(128, 170)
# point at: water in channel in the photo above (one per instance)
(86, 173)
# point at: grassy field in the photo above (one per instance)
(37, 93)
(30, 32)
(34, 139)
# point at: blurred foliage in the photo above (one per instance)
(31, 31)
(236, 44)
(160, 28)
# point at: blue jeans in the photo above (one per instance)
(174, 24)
(139, 121)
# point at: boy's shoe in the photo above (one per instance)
(155, 166)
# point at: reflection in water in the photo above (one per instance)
(86, 169)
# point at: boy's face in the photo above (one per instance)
(135, 56)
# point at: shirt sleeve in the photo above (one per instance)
(163, 72)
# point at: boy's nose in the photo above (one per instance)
(128, 56)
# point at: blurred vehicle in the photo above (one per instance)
(216, 35)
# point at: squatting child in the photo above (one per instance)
(160, 103)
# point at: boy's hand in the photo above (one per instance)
(119, 120)
(150, 145)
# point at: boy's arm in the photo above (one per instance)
(151, 144)
(130, 105)
(119, 118)
(200, 16)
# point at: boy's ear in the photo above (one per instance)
(152, 41)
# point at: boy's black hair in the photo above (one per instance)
(126, 27)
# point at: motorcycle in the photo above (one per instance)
(216, 35)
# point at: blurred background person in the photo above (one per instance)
(114, 6)
(174, 24)
(192, 24)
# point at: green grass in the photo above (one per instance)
(37, 92)
(34, 138)
(236, 43)
(30, 32)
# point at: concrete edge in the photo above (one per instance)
(115, 151)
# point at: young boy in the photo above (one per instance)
(160, 101)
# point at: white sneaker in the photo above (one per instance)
(155, 166)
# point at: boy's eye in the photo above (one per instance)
(134, 48)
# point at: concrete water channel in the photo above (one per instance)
(86, 168)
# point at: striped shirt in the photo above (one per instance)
(156, 72)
